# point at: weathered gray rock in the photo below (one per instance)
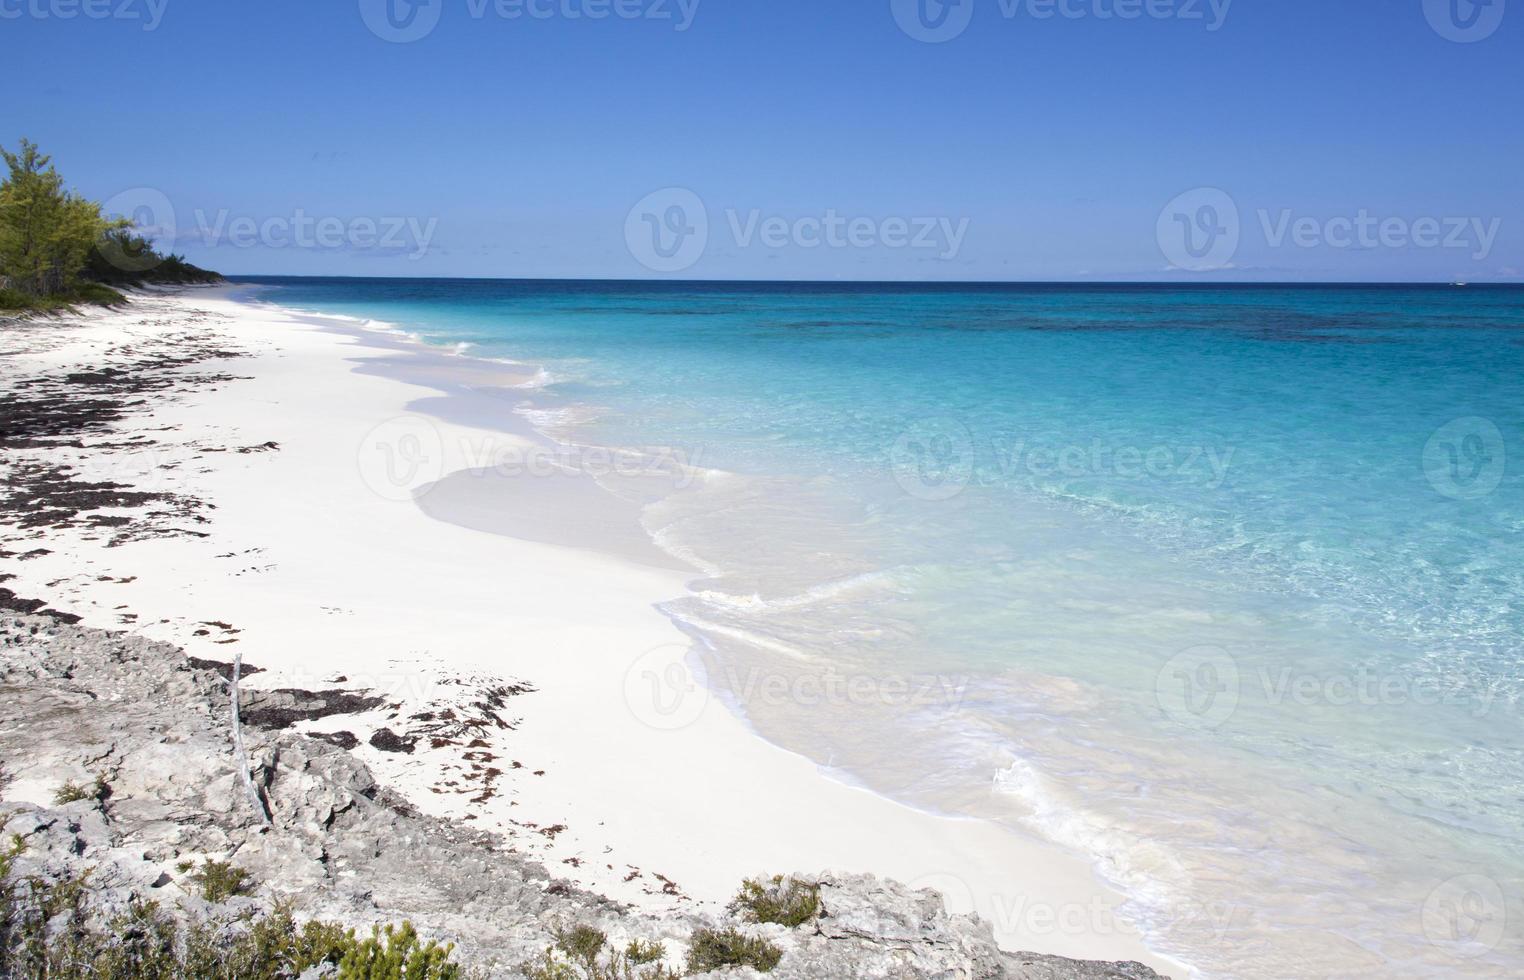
(77, 703)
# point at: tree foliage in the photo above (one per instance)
(56, 247)
(46, 232)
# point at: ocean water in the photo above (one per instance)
(1222, 587)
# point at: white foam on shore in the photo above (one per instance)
(816, 594)
(542, 379)
(555, 420)
(747, 637)
(663, 536)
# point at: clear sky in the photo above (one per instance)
(783, 139)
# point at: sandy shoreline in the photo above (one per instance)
(322, 560)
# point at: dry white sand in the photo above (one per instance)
(324, 561)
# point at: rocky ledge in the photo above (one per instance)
(148, 733)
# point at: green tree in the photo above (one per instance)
(46, 232)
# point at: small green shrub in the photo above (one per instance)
(221, 880)
(272, 946)
(98, 295)
(8, 909)
(10, 854)
(14, 299)
(783, 901)
(398, 953)
(89, 293)
(581, 943)
(550, 968)
(140, 942)
(640, 952)
(712, 950)
(72, 792)
(581, 957)
(26, 909)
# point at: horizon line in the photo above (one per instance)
(898, 282)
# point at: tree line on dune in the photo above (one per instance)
(57, 248)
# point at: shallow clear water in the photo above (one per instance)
(1223, 586)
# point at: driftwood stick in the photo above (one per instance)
(243, 756)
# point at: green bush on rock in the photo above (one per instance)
(712, 950)
(579, 954)
(72, 792)
(220, 880)
(783, 901)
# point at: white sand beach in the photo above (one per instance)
(361, 545)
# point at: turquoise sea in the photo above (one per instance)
(1220, 586)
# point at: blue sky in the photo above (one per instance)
(1286, 140)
